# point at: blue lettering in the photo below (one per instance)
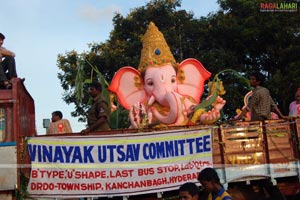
(203, 144)
(191, 141)
(47, 154)
(133, 152)
(164, 149)
(88, 158)
(39, 153)
(160, 148)
(152, 151)
(67, 152)
(199, 145)
(77, 155)
(58, 156)
(32, 152)
(170, 151)
(111, 153)
(121, 153)
(181, 147)
(102, 154)
(206, 141)
(136, 151)
(145, 155)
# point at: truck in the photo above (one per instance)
(17, 121)
(254, 160)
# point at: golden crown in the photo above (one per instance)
(156, 51)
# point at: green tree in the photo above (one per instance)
(238, 36)
(252, 40)
(124, 46)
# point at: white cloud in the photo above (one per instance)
(94, 14)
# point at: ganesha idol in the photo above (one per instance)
(162, 91)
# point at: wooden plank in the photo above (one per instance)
(278, 134)
(243, 143)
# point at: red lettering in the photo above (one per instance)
(34, 173)
(170, 168)
(42, 186)
(145, 172)
(268, 6)
(121, 173)
(58, 174)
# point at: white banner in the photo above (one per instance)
(117, 165)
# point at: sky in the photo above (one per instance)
(37, 31)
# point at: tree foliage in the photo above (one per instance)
(238, 36)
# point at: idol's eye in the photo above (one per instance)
(150, 83)
(173, 80)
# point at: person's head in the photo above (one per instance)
(95, 88)
(256, 79)
(209, 180)
(56, 116)
(2, 37)
(188, 191)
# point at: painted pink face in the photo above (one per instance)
(160, 80)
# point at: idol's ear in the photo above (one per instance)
(191, 77)
(128, 85)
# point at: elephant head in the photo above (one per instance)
(165, 88)
(161, 86)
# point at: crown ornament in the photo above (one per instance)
(156, 51)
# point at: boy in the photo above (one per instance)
(210, 182)
(188, 191)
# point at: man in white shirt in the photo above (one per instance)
(58, 124)
(294, 109)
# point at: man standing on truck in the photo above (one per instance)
(261, 103)
(7, 65)
(98, 114)
(58, 124)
